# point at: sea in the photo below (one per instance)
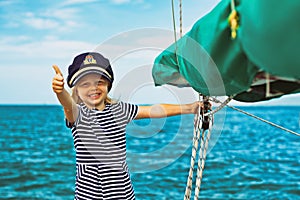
(246, 157)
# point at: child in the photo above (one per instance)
(98, 126)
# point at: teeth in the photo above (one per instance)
(93, 95)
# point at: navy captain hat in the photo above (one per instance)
(88, 63)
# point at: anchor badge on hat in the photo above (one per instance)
(89, 59)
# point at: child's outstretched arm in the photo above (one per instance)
(70, 107)
(166, 110)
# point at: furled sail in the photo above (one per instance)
(261, 63)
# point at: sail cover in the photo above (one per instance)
(261, 63)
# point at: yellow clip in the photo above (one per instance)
(233, 22)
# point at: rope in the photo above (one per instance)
(205, 137)
(223, 104)
(180, 19)
(174, 28)
(232, 5)
(268, 87)
(261, 119)
(180, 16)
(196, 138)
(174, 24)
(199, 130)
(202, 159)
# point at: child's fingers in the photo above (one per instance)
(57, 85)
(58, 80)
(58, 75)
(57, 70)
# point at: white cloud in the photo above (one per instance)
(36, 51)
(119, 2)
(41, 23)
(75, 2)
(6, 2)
(52, 18)
(56, 18)
(13, 40)
(61, 13)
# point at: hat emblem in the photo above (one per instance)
(89, 59)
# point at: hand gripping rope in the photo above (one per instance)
(202, 128)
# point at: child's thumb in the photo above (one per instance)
(57, 70)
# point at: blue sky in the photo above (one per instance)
(37, 34)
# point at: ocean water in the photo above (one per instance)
(247, 159)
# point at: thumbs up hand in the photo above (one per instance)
(58, 80)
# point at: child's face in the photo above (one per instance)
(92, 90)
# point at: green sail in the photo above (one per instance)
(211, 62)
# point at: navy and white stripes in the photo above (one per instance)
(100, 144)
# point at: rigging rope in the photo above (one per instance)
(202, 159)
(174, 27)
(196, 137)
(200, 128)
(180, 17)
(256, 117)
(205, 137)
(202, 118)
(174, 24)
(223, 104)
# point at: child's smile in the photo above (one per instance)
(95, 95)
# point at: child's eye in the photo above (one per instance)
(84, 85)
(100, 82)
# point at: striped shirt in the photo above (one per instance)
(100, 144)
